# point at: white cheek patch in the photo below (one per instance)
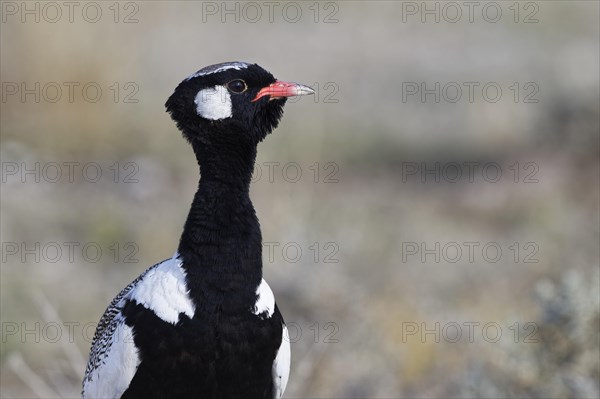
(213, 103)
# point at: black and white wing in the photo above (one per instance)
(114, 358)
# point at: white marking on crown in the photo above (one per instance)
(213, 103)
(265, 301)
(219, 68)
(163, 290)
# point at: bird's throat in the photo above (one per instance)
(221, 244)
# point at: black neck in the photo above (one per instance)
(221, 245)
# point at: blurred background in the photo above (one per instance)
(430, 216)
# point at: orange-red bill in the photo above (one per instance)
(281, 89)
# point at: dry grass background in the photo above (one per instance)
(371, 295)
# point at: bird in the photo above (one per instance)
(204, 323)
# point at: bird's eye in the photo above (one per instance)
(237, 86)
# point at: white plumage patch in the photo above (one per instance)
(265, 301)
(213, 103)
(118, 366)
(218, 68)
(163, 290)
(281, 365)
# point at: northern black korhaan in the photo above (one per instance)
(204, 324)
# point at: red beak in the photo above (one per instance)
(281, 89)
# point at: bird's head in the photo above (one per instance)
(230, 102)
